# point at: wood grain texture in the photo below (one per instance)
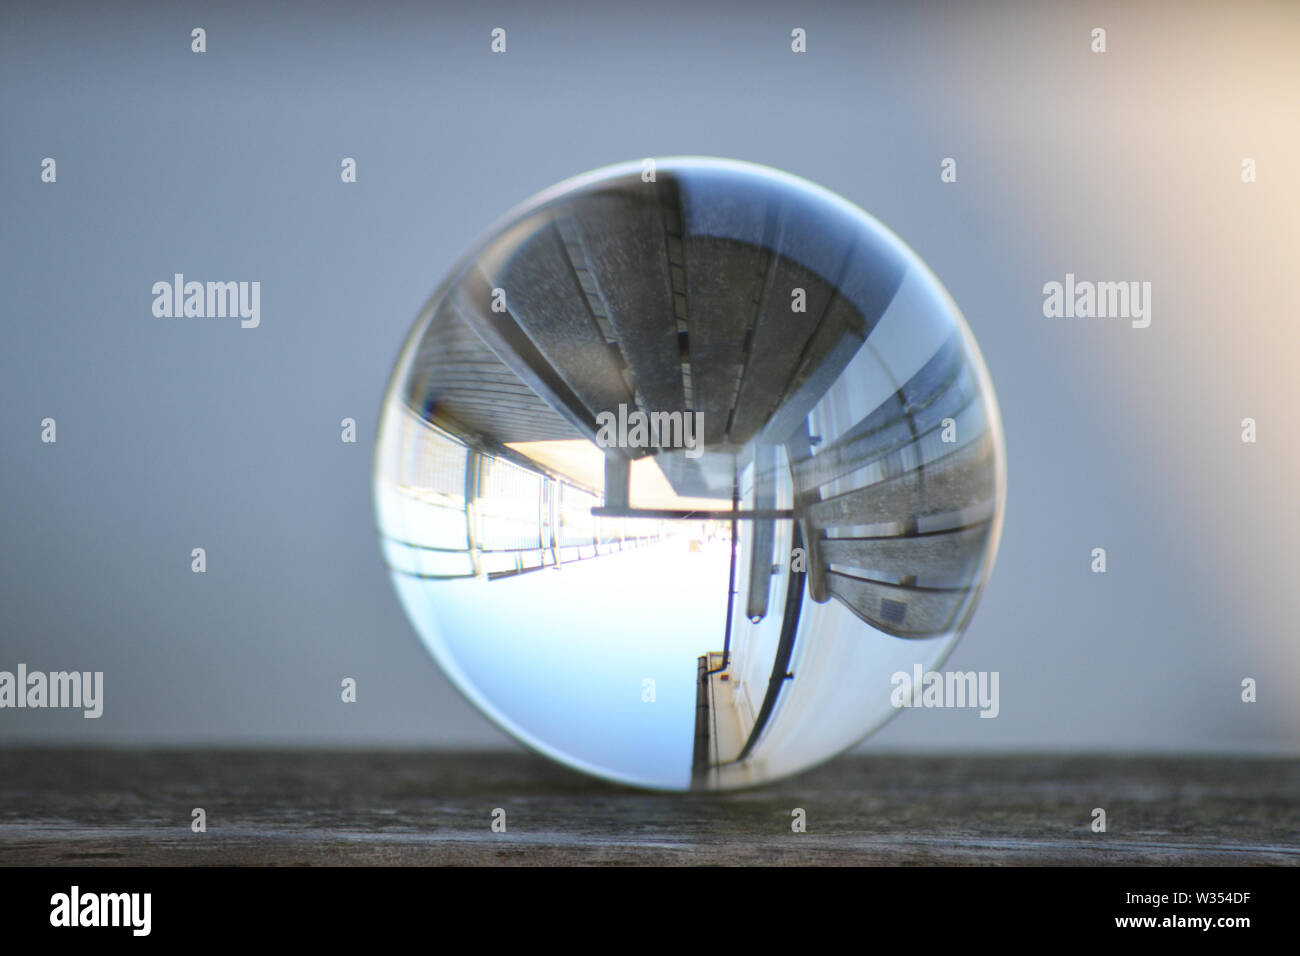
(65, 807)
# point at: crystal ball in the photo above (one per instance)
(679, 469)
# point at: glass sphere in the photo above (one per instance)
(681, 466)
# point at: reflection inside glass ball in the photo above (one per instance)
(681, 466)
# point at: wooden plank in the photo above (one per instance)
(898, 609)
(963, 479)
(945, 554)
(132, 807)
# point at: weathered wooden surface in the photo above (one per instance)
(349, 808)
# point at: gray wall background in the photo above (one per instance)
(174, 434)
